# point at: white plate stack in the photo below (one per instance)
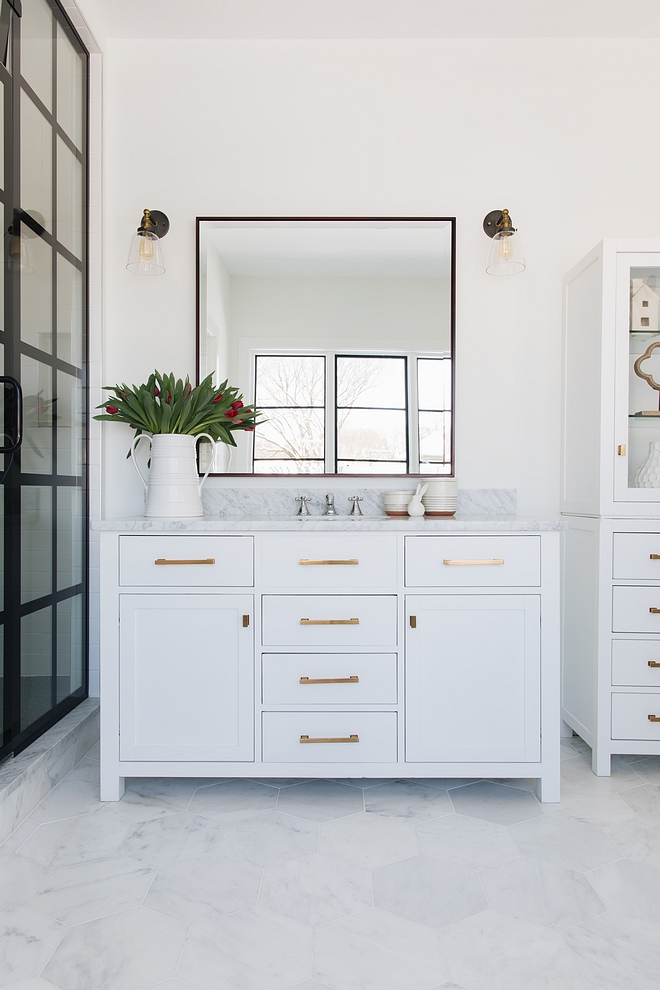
(441, 497)
(396, 503)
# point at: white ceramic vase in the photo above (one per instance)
(647, 474)
(173, 487)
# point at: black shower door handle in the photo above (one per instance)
(12, 446)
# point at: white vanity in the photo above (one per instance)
(341, 647)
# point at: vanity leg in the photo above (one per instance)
(601, 762)
(565, 730)
(548, 787)
(112, 786)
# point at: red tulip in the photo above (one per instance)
(156, 391)
(237, 405)
(231, 413)
(112, 410)
(169, 398)
(249, 429)
(237, 422)
(218, 398)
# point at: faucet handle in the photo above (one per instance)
(303, 499)
(355, 499)
(330, 505)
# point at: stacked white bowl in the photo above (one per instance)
(441, 497)
(396, 503)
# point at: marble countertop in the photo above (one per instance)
(297, 524)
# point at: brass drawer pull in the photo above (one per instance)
(654, 611)
(353, 679)
(653, 663)
(654, 718)
(654, 556)
(413, 622)
(353, 560)
(333, 622)
(340, 739)
(162, 560)
(466, 563)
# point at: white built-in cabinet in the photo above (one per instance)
(611, 559)
(329, 653)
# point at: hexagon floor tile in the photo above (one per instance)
(316, 889)
(27, 941)
(321, 800)
(270, 839)
(629, 888)
(497, 803)
(540, 892)
(194, 891)
(427, 891)
(84, 891)
(368, 840)
(410, 800)
(616, 953)
(466, 841)
(233, 800)
(126, 951)
(165, 841)
(253, 950)
(564, 842)
(375, 950)
(492, 951)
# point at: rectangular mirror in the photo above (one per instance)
(341, 331)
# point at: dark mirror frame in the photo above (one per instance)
(450, 220)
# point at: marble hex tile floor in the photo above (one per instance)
(337, 884)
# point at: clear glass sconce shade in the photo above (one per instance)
(506, 254)
(18, 260)
(145, 256)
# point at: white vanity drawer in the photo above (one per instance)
(332, 560)
(372, 737)
(636, 662)
(330, 620)
(630, 716)
(631, 609)
(634, 555)
(329, 679)
(473, 561)
(186, 561)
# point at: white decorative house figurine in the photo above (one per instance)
(415, 506)
(644, 307)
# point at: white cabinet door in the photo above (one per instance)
(473, 678)
(186, 677)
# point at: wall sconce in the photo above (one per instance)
(506, 254)
(145, 256)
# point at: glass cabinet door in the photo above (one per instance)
(637, 441)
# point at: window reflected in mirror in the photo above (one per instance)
(341, 333)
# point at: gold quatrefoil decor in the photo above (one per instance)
(640, 361)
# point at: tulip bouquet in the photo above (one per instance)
(168, 405)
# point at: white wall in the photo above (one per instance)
(560, 134)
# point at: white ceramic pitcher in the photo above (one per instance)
(173, 489)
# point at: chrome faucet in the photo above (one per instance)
(330, 506)
(303, 499)
(356, 510)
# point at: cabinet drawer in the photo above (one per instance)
(473, 561)
(372, 679)
(231, 561)
(630, 716)
(631, 609)
(329, 620)
(634, 556)
(376, 734)
(329, 561)
(636, 662)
